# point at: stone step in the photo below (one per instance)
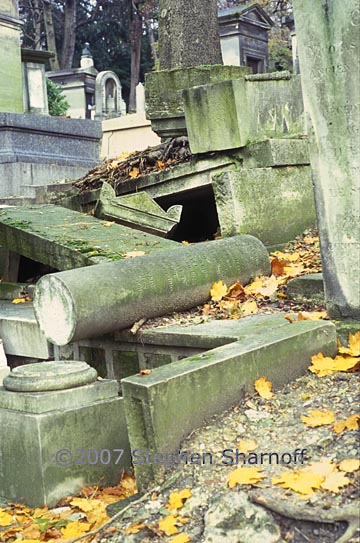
(176, 398)
(20, 331)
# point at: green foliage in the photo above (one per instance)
(280, 55)
(57, 102)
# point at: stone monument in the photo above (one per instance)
(328, 35)
(108, 97)
(11, 93)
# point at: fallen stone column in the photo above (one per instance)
(86, 302)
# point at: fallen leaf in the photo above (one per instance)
(324, 365)
(263, 388)
(180, 538)
(134, 528)
(262, 287)
(354, 345)
(245, 476)
(85, 505)
(75, 529)
(349, 465)
(177, 499)
(300, 481)
(22, 300)
(323, 468)
(160, 165)
(277, 267)
(144, 372)
(133, 254)
(5, 518)
(312, 315)
(236, 291)
(318, 418)
(290, 319)
(107, 224)
(134, 173)
(248, 308)
(334, 481)
(218, 291)
(167, 525)
(289, 257)
(351, 423)
(246, 446)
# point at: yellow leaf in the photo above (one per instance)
(75, 529)
(167, 525)
(349, 465)
(323, 468)
(85, 505)
(263, 387)
(160, 165)
(311, 240)
(133, 254)
(18, 300)
(318, 418)
(289, 257)
(5, 518)
(262, 286)
(236, 291)
(177, 499)
(354, 345)
(299, 481)
(248, 308)
(334, 481)
(246, 446)
(134, 173)
(180, 538)
(135, 528)
(351, 423)
(218, 291)
(244, 476)
(324, 365)
(312, 315)
(107, 224)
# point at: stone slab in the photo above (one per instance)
(307, 288)
(11, 94)
(32, 468)
(276, 152)
(66, 239)
(235, 113)
(163, 407)
(10, 291)
(284, 213)
(42, 402)
(20, 332)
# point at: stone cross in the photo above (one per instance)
(11, 92)
(328, 34)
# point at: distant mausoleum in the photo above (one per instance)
(244, 37)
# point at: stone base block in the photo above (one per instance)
(163, 407)
(54, 443)
(307, 288)
(273, 204)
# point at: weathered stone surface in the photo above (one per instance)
(307, 288)
(273, 204)
(232, 114)
(52, 438)
(232, 518)
(163, 407)
(277, 152)
(164, 94)
(20, 332)
(9, 291)
(50, 376)
(65, 239)
(138, 211)
(147, 287)
(11, 97)
(331, 80)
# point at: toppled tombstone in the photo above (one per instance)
(66, 239)
(138, 211)
(142, 287)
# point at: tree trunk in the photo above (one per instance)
(150, 33)
(135, 54)
(37, 23)
(50, 34)
(68, 46)
(188, 33)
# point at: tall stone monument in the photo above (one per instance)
(328, 33)
(11, 93)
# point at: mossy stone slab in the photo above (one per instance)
(66, 239)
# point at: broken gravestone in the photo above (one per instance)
(330, 79)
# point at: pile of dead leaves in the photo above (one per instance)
(299, 258)
(73, 517)
(130, 166)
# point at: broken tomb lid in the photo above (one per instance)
(47, 376)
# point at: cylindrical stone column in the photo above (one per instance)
(87, 302)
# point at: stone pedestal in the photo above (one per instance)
(11, 92)
(330, 78)
(60, 430)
